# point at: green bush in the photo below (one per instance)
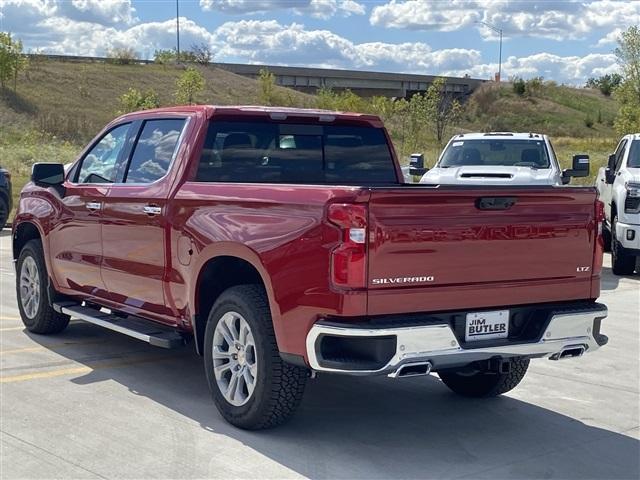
(134, 100)
(519, 86)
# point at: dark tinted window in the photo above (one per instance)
(294, 153)
(493, 152)
(100, 165)
(634, 155)
(154, 150)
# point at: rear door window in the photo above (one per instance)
(154, 150)
(248, 152)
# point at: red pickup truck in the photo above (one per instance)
(283, 242)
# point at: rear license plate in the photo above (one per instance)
(487, 325)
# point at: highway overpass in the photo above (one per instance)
(360, 82)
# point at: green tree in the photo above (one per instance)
(442, 109)
(606, 83)
(12, 61)
(519, 86)
(122, 55)
(188, 86)
(267, 81)
(627, 94)
(134, 99)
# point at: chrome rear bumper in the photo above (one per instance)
(573, 332)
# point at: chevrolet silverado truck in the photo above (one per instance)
(502, 158)
(283, 243)
(619, 187)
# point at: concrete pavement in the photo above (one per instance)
(89, 403)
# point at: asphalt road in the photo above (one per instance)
(89, 403)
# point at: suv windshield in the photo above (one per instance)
(493, 152)
(634, 155)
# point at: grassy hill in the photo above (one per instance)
(59, 106)
(556, 110)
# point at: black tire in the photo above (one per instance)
(279, 386)
(45, 319)
(485, 384)
(606, 238)
(4, 212)
(621, 262)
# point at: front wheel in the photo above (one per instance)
(31, 288)
(251, 386)
(485, 384)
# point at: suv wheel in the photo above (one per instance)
(252, 387)
(31, 287)
(622, 263)
(485, 384)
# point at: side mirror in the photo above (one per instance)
(47, 174)
(580, 168)
(416, 165)
(610, 171)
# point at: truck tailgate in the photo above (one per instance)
(445, 248)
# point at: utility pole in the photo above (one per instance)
(498, 31)
(178, 30)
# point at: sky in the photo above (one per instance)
(565, 41)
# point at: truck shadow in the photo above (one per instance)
(349, 427)
(609, 281)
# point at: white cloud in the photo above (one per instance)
(559, 20)
(610, 38)
(323, 9)
(20, 13)
(573, 70)
(270, 42)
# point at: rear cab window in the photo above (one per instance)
(264, 152)
(496, 152)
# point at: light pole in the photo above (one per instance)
(178, 30)
(498, 31)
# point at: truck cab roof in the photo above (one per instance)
(499, 136)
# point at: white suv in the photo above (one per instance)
(619, 186)
(502, 158)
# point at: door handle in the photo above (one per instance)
(93, 206)
(152, 210)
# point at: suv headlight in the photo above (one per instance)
(632, 202)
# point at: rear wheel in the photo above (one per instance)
(251, 385)
(474, 383)
(621, 262)
(31, 287)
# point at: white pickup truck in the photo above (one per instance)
(501, 158)
(619, 187)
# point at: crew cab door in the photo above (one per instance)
(75, 242)
(606, 189)
(135, 223)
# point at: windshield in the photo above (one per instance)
(634, 155)
(492, 152)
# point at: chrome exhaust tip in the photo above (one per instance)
(414, 369)
(572, 351)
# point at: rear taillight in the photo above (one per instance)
(349, 258)
(598, 252)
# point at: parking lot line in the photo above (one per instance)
(50, 346)
(81, 370)
(9, 329)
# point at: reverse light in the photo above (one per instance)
(349, 258)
